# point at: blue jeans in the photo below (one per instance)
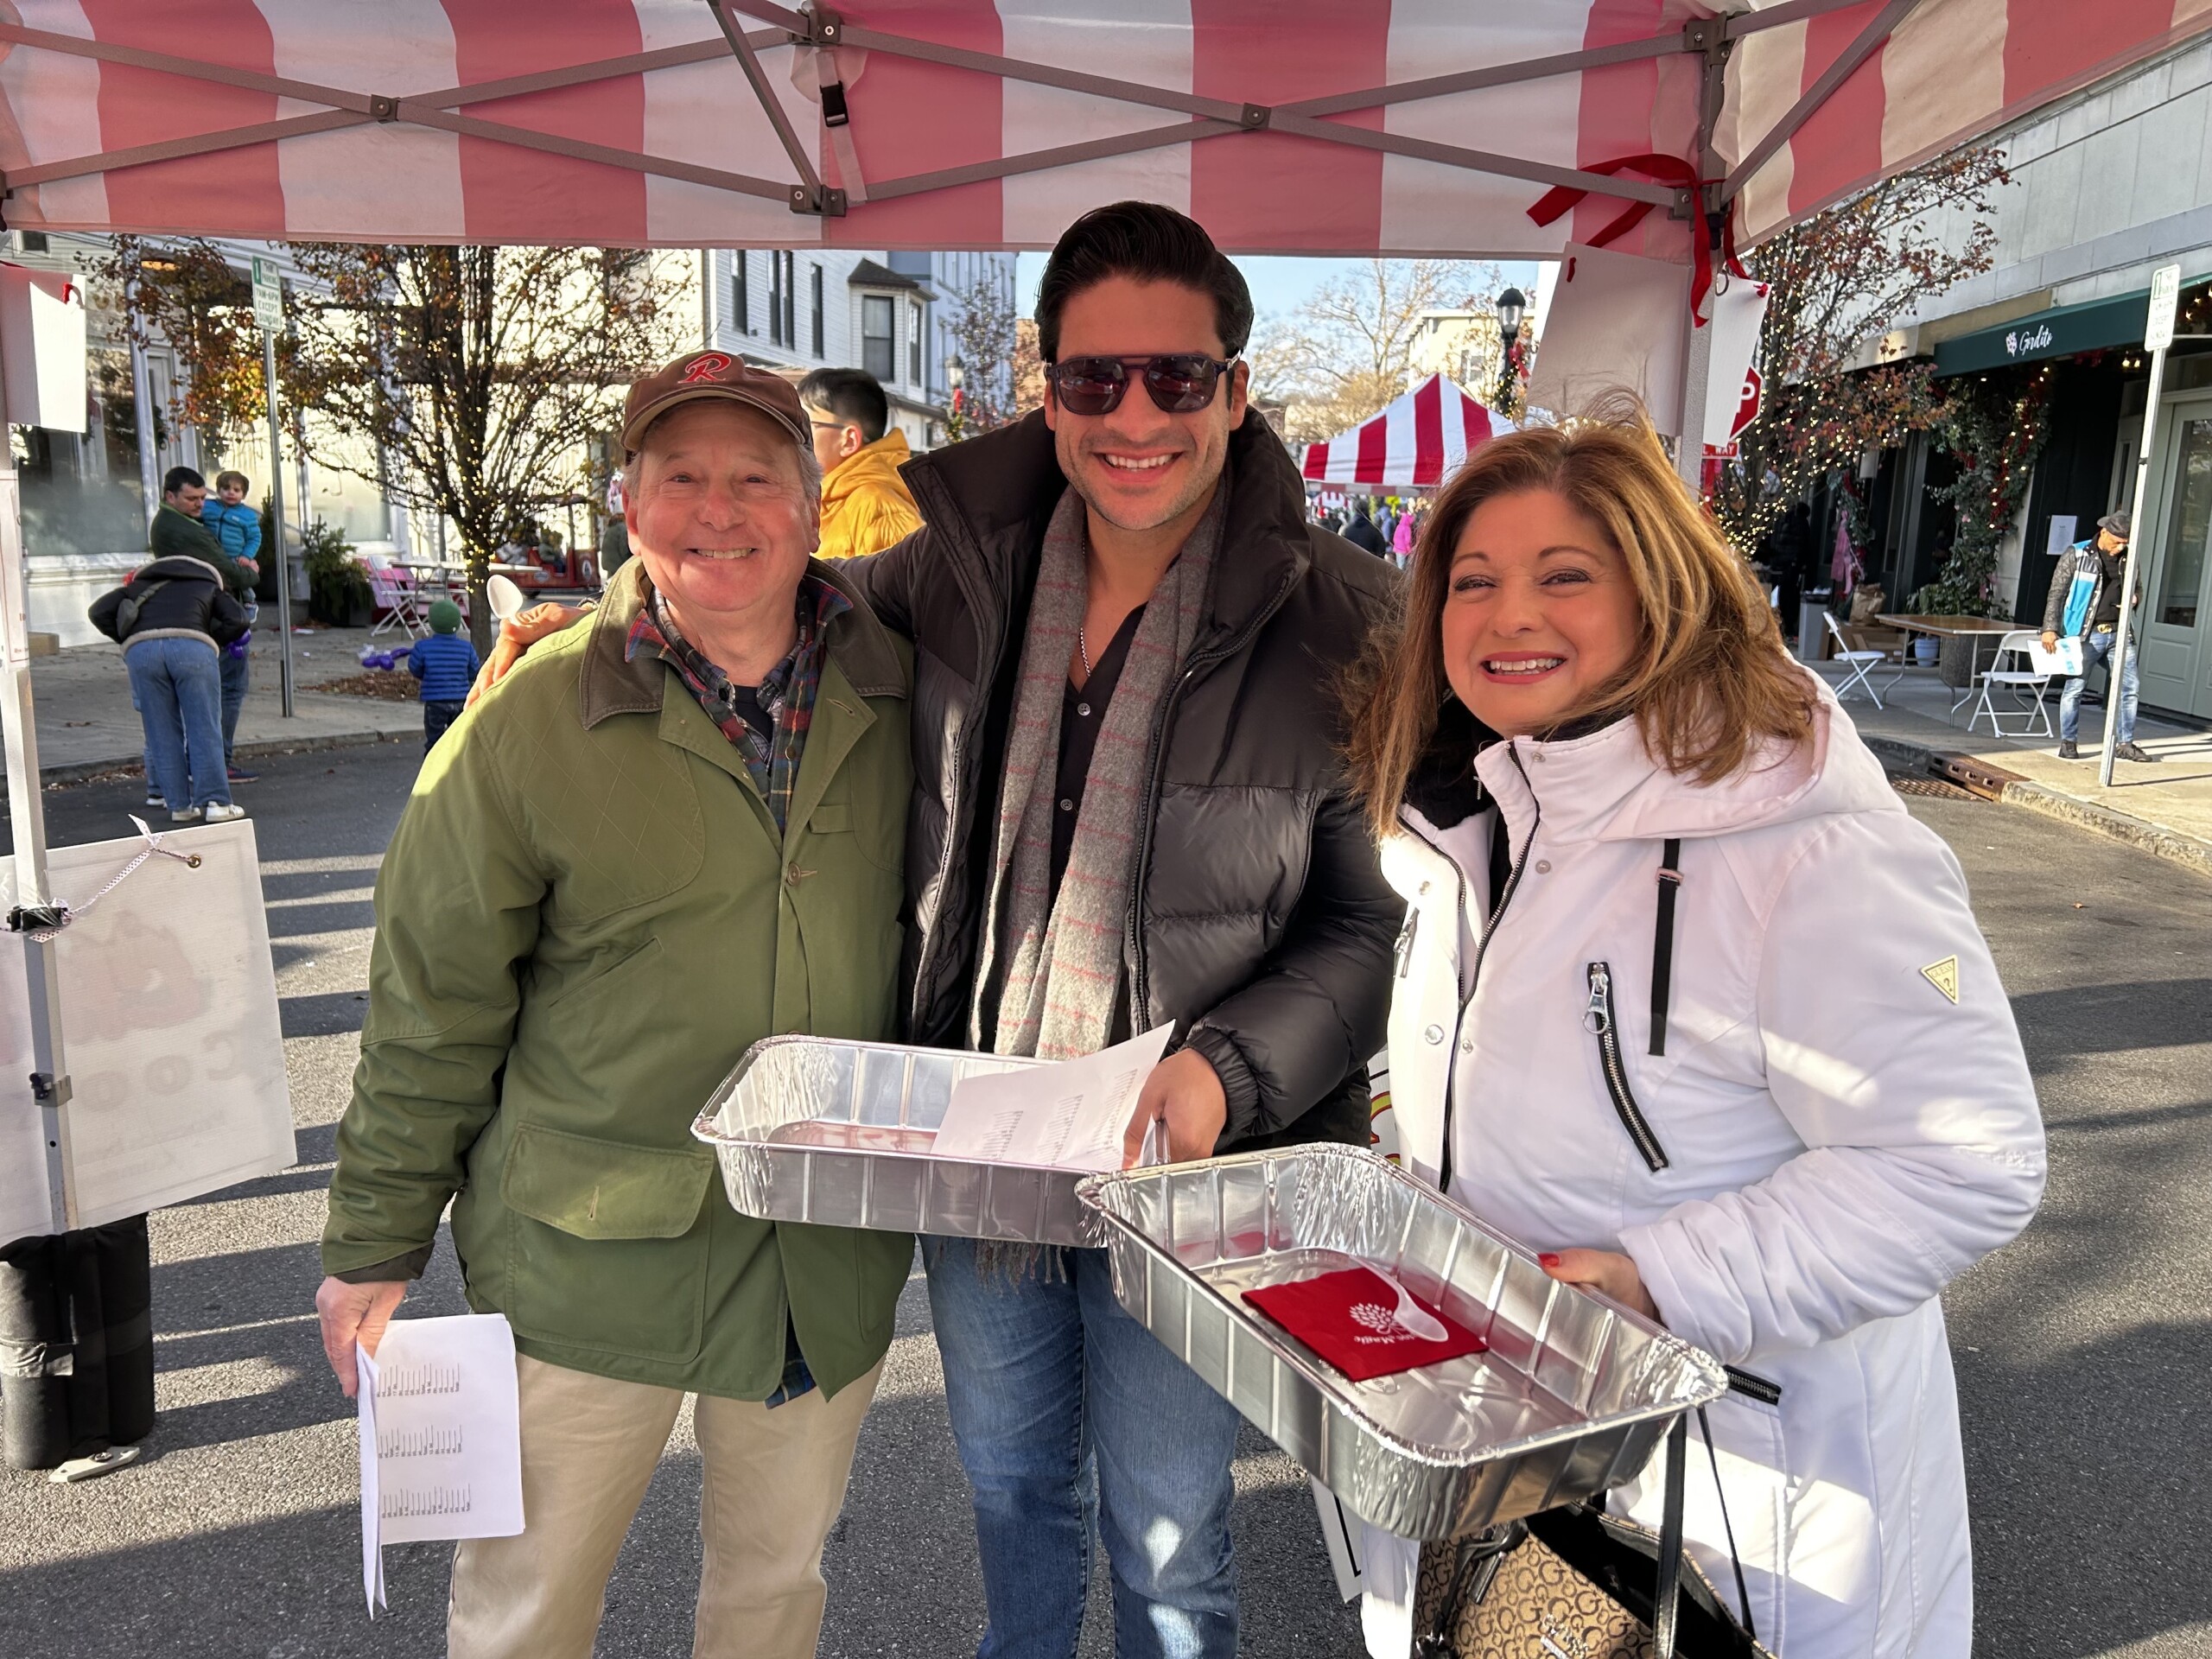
(179, 692)
(1065, 1408)
(2095, 648)
(436, 717)
(236, 670)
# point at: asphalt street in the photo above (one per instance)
(2082, 1350)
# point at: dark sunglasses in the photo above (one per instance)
(1179, 382)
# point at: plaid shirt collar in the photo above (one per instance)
(786, 693)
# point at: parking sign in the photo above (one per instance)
(268, 295)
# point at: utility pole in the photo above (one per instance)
(2157, 334)
(269, 311)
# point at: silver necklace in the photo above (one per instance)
(1083, 649)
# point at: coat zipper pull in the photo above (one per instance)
(1405, 952)
(1595, 1015)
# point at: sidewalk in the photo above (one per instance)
(87, 725)
(2165, 808)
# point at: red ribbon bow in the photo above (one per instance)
(1660, 169)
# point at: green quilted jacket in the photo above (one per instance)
(585, 918)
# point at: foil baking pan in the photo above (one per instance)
(809, 1129)
(1570, 1400)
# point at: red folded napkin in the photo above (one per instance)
(1349, 1318)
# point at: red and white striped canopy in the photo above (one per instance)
(1414, 126)
(1420, 439)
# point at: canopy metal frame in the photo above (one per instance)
(446, 109)
(450, 109)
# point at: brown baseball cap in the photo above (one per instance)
(712, 374)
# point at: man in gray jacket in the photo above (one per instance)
(2084, 604)
(173, 618)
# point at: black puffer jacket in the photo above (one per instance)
(179, 598)
(1261, 926)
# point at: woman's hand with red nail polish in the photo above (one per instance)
(1607, 1272)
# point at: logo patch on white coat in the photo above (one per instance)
(1944, 976)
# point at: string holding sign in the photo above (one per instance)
(45, 922)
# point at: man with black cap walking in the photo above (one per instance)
(2084, 604)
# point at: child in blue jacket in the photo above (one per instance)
(228, 518)
(446, 664)
(237, 527)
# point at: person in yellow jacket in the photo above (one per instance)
(865, 505)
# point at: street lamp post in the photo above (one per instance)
(955, 377)
(1512, 306)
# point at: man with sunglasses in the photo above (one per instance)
(1128, 810)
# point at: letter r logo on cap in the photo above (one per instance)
(707, 366)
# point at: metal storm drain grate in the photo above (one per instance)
(1941, 788)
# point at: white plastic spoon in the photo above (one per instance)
(1410, 1313)
(505, 599)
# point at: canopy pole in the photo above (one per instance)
(49, 1077)
(2122, 643)
(1697, 375)
(1712, 39)
(142, 407)
(276, 521)
(2158, 335)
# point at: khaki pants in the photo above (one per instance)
(774, 1482)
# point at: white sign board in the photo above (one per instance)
(2165, 296)
(43, 346)
(268, 295)
(169, 1029)
(1732, 403)
(1617, 324)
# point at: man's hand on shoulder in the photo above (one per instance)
(517, 635)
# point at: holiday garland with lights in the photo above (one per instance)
(1836, 282)
(1995, 426)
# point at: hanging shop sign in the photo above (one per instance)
(2060, 331)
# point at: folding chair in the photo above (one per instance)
(393, 592)
(2042, 666)
(1857, 661)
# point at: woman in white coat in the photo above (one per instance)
(1686, 1000)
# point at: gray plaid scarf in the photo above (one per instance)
(1055, 965)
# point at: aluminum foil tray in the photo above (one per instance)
(808, 1129)
(1571, 1398)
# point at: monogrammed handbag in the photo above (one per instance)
(1577, 1583)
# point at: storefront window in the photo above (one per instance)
(344, 496)
(80, 492)
(2192, 526)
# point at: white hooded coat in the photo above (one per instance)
(1842, 1138)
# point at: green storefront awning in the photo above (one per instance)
(2059, 332)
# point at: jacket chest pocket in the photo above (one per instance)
(876, 827)
(1597, 1019)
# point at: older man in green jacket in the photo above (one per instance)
(676, 831)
